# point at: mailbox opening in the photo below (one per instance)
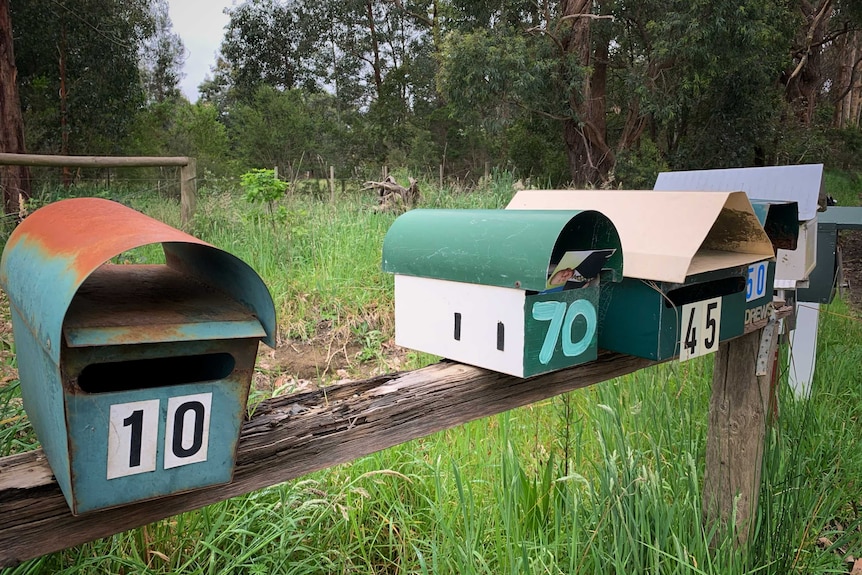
(155, 372)
(704, 290)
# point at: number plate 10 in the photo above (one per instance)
(701, 325)
(133, 432)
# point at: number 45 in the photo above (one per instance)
(701, 325)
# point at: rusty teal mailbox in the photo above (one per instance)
(688, 260)
(515, 292)
(135, 377)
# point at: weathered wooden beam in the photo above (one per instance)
(188, 192)
(188, 171)
(291, 436)
(40, 160)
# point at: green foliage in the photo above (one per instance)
(293, 130)
(262, 186)
(723, 54)
(637, 169)
(96, 43)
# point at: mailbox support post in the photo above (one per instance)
(188, 192)
(738, 412)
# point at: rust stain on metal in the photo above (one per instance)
(89, 231)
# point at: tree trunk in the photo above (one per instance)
(848, 83)
(590, 157)
(15, 180)
(802, 84)
(375, 48)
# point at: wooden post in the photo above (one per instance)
(738, 411)
(188, 177)
(441, 175)
(188, 191)
(332, 184)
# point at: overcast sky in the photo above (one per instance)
(200, 23)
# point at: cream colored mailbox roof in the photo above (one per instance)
(667, 236)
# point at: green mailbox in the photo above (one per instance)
(512, 291)
(135, 377)
(687, 259)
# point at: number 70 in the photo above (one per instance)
(562, 317)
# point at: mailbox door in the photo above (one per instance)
(476, 324)
(560, 329)
(821, 282)
(143, 443)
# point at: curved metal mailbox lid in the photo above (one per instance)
(51, 253)
(505, 248)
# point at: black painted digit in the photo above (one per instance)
(710, 325)
(691, 333)
(136, 422)
(179, 423)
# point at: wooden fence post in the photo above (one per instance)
(188, 191)
(738, 411)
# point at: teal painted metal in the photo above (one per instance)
(504, 248)
(643, 318)
(780, 220)
(560, 329)
(174, 345)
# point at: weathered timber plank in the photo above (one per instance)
(291, 436)
(91, 161)
(738, 410)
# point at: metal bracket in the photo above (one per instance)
(764, 358)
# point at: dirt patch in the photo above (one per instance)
(327, 358)
(851, 258)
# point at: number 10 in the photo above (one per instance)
(133, 432)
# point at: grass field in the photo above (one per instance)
(602, 480)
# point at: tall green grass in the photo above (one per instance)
(607, 479)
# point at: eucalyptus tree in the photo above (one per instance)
(15, 180)
(267, 42)
(161, 57)
(373, 56)
(78, 71)
(718, 102)
(826, 56)
(698, 77)
(549, 59)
